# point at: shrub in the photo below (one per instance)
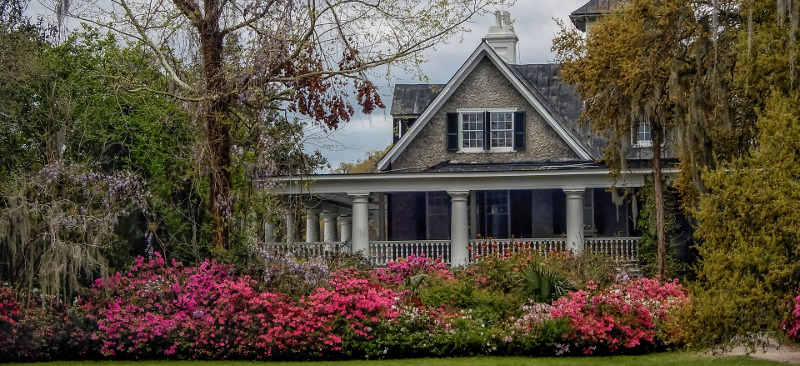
(792, 323)
(397, 272)
(45, 329)
(207, 312)
(292, 276)
(582, 268)
(621, 316)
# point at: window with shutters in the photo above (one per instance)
(472, 130)
(496, 130)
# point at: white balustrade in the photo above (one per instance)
(308, 250)
(382, 251)
(620, 249)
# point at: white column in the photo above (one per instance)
(290, 230)
(574, 219)
(459, 231)
(312, 226)
(329, 226)
(344, 228)
(269, 232)
(360, 222)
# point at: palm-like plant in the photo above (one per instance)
(544, 284)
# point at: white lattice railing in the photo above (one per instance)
(382, 251)
(479, 248)
(622, 249)
(322, 250)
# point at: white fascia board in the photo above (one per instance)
(437, 103)
(466, 181)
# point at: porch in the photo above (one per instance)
(388, 216)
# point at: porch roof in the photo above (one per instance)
(572, 179)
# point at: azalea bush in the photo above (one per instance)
(44, 329)
(207, 312)
(397, 272)
(792, 323)
(621, 317)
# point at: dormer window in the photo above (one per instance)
(496, 130)
(643, 137)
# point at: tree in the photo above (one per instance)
(667, 63)
(366, 165)
(747, 222)
(750, 256)
(301, 56)
(74, 139)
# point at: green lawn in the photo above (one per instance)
(671, 358)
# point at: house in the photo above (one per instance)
(497, 152)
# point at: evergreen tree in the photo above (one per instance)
(750, 231)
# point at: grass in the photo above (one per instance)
(670, 358)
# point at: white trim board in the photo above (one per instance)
(577, 179)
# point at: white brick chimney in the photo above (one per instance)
(501, 37)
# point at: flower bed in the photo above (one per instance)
(414, 307)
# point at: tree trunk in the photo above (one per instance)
(218, 133)
(658, 187)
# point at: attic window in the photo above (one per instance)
(486, 130)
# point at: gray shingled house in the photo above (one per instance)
(497, 152)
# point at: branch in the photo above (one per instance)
(248, 22)
(161, 57)
(190, 9)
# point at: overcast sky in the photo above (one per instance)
(535, 27)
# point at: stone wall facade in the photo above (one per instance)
(486, 87)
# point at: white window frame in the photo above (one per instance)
(461, 130)
(640, 131)
(510, 132)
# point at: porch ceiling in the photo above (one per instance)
(458, 181)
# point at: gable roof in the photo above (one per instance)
(412, 99)
(592, 10)
(531, 95)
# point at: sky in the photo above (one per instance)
(535, 27)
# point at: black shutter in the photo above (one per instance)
(519, 131)
(452, 132)
(487, 131)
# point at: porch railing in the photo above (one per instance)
(301, 249)
(480, 248)
(382, 251)
(621, 249)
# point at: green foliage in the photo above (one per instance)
(366, 165)
(544, 285)
(750, 257)
(487, 306)
(648, 256)
(579, 269)
(75, 105)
